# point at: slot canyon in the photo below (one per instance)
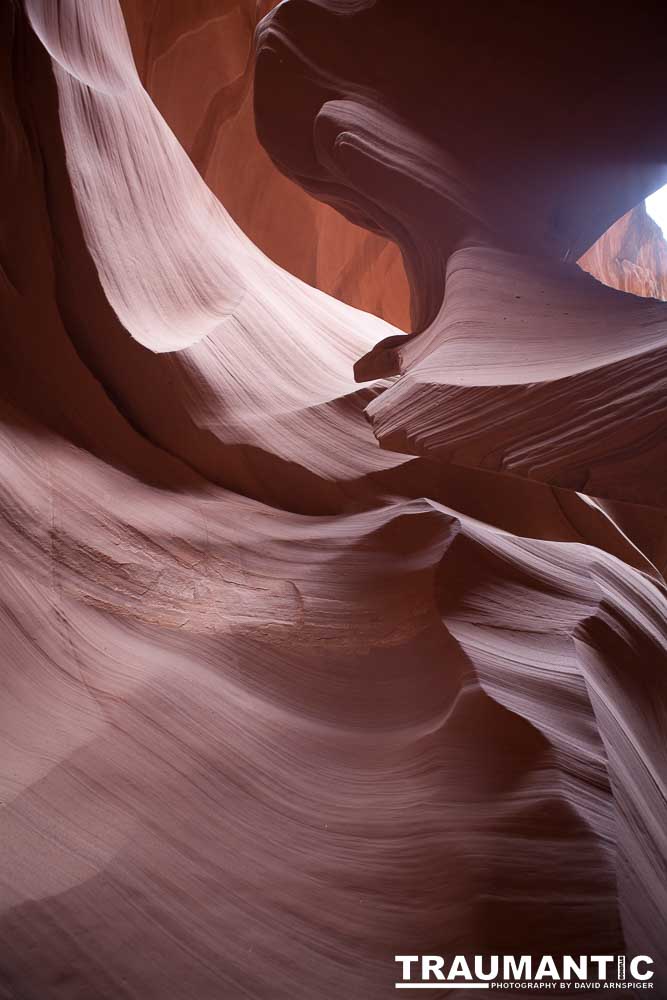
(334, 438)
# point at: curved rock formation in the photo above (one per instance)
(196, 61)
(301, 673)
(532, 369)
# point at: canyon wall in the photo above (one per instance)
(323, 641)
(631, 256)
(196, 61)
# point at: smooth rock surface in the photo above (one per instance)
(301, 672)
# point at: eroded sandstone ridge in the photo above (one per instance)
(300, 671)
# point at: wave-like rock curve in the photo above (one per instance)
(282, 701)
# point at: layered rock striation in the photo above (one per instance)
(305, 670)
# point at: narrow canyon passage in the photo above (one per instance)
(332, 511)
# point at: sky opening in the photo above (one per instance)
(656, 206)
